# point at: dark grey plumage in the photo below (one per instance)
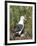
(18, 27)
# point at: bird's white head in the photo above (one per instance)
(22, 17)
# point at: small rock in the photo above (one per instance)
(22, 35)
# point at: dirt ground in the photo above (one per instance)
(21, 37)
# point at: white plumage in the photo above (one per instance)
(20, 26)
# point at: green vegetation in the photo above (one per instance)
(16, 12)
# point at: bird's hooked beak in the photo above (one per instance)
(25, 18)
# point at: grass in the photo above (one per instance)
(16, 12)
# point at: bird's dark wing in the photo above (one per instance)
(18, 27)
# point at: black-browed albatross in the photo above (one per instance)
(20, 26)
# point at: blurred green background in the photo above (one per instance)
(16, 12)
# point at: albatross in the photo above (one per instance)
(20, 26)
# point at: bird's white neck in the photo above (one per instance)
(21, 21)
